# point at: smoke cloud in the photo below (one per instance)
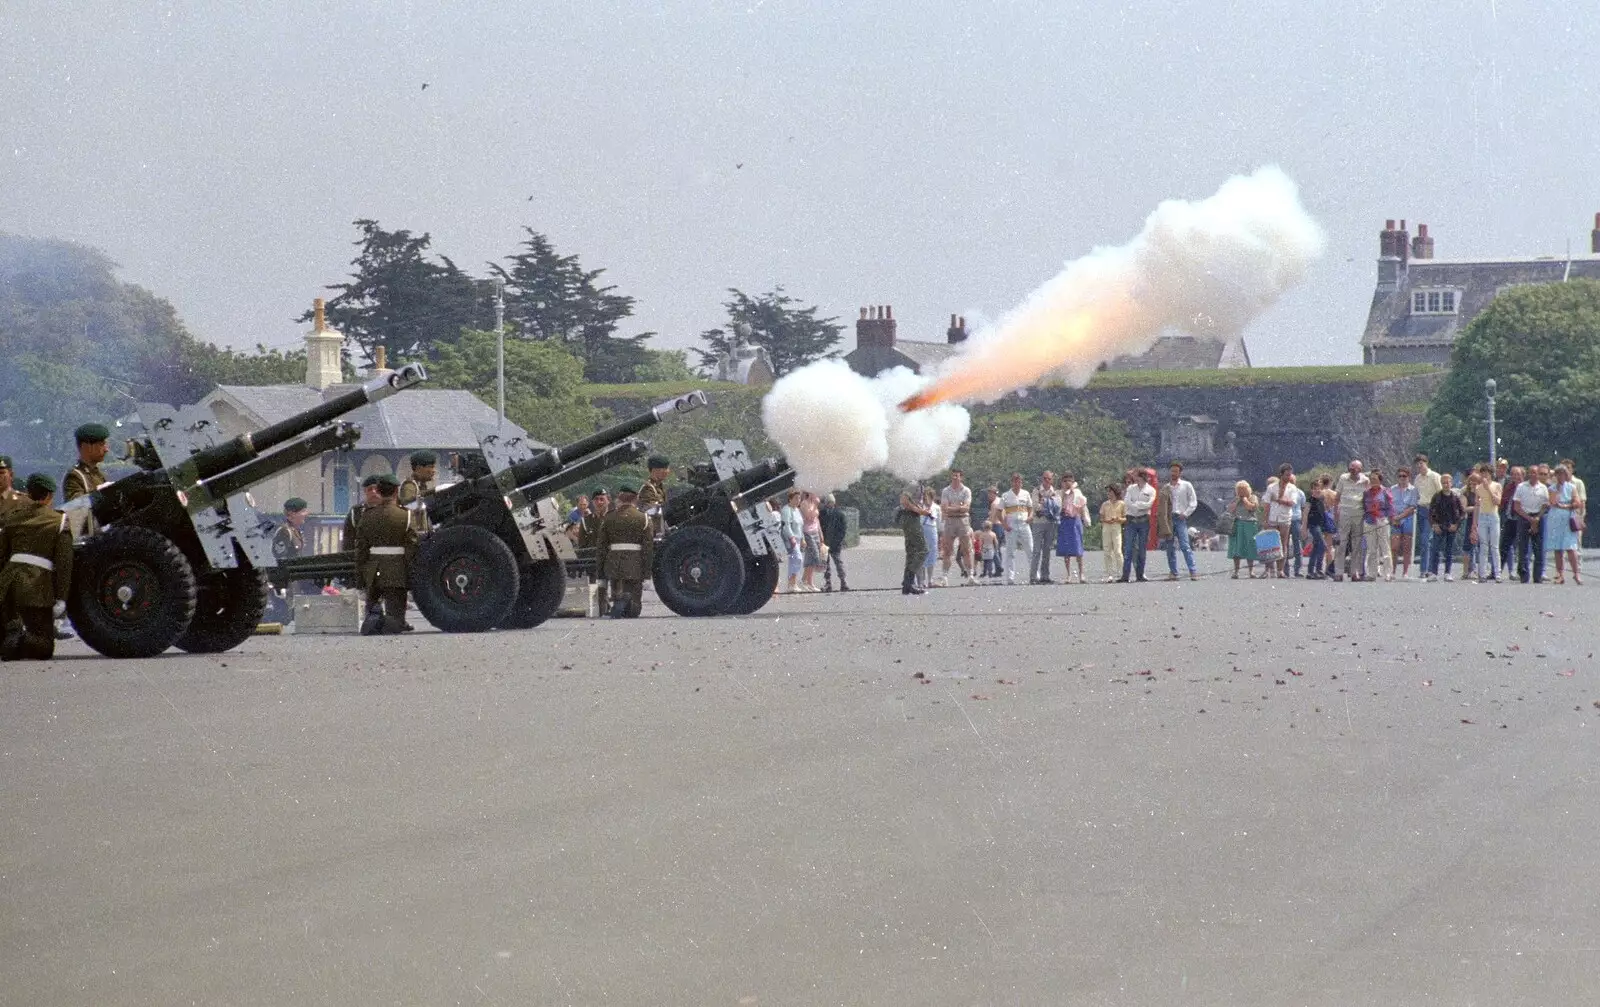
(1207, 268)
(834, 425)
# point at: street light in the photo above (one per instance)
(1488, 391)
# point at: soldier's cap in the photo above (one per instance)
(423, 458)
(92, 433)
(626, 491)
(599, 491)
(39, 484)
(387, 484)
(5, 461)
(657, 462)
(295, 505)
(371, 480)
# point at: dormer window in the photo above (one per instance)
(1433, 302)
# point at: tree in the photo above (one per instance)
(1092, 445)
(793, 336)
(543, 383)
(402, 300)
(551, 298)
(1541, 345)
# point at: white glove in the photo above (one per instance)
(59, 609)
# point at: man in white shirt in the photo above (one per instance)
(1137, 499)
(955, 532)
(1016, 509)
(1531, 502)
(1351, 487)
(1178, 502)
(1046, 526)
(1428, 483)
(1281, 503)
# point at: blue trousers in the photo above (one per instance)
(1135, 535)
(1180, 539)
(1441, 543)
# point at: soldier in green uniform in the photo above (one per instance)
(424, 469)
(36, 553)
(385, 543)
(85, 477)
(624, 549)
(910, 517)
(369, 498)
(11, 498)
(653, 494)
(289, 542)
(589, 537)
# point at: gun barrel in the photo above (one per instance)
(374, 390)
(761, 481)
(547, 463)
(340, 436)
(597, 462)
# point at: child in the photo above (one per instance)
(1113, 515)
(989, 549)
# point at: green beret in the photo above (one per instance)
(5, 461)
(370, 481)
(657, 462)
(92, 433)
(626, 491)
(423, 458)
(39, 484)
(599, 491)
(295, 505)
(387, 484)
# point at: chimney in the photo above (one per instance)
(1594, 236)
(1393, 248)
(957, 333)
(1422, 245)
(380, 360)
(324, 352)
(1386, 241)
(876, 327)
(1402, 243)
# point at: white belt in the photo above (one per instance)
(627, 547)
(32, 560)
(388, 550)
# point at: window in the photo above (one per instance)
(1433, 302)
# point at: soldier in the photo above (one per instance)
(10, 497)
(653, 494)
(623, 552)
(588, 536)
(85, 477)
(385, 542)
(289, 542)
(369, 498)
(36, 553)
(424, 467)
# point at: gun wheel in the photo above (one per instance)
(464, 579)
(133, 593)
(698, 571)
(228, 609)
(543, 586)
(760, 580)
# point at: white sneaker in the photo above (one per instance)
(944, 581)
(1430, 578)
(1449, 576)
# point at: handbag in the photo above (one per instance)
(1225, 522)
(1576, 522)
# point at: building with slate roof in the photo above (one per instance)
(879, 349)
(1421, 303)
(440, 420)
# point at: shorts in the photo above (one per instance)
(956, 527)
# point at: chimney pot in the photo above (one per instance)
(888, 311)
(952, 321)
(1594, 236)
(1388, 225)
(320, 324)
(863, 312)
(1422, 230)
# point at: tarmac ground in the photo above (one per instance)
(1212, 792)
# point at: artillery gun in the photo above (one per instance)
(181, 556)
(723, 550)
(498, 553)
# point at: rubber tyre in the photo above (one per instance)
(698, 571)
(760, 580)
(544, 584)
(133, 592)
(228, 608)
(464, 579)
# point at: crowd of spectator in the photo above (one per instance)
(1357, 526)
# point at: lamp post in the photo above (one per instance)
(1488, 391)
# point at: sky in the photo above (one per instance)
(938, 156)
